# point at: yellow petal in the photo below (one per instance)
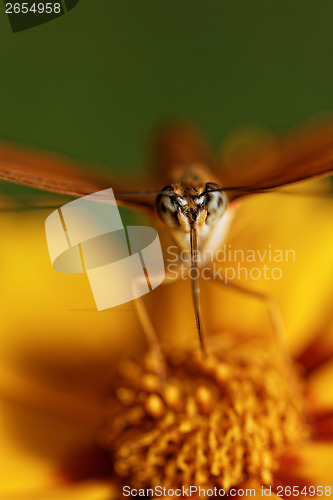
(57, 358)
(52, 333)
(38, 443)
(316, 463)
(320, 387)
(87, 490)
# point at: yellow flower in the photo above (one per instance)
(75, 428)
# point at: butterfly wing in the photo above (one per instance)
(174, 147)
(301, 155)
(56, 174)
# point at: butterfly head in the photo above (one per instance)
(184, 206)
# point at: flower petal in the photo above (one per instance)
(322, 424)
(320, 388)
(318, 352)
(314, 463)
(57, 360)
(87, 490)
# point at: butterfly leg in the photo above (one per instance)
(273, 309)
(152, 338)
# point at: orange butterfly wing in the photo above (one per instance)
(304, 154)
(298, 156)
(59, 175)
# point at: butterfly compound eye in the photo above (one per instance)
(166, 206)
(217, 203)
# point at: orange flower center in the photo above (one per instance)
(217, 421)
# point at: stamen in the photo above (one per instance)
(218, 421)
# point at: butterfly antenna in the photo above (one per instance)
(195, 286)
(276, 190)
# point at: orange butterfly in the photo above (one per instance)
(188, 190)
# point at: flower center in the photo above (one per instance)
(217, 421)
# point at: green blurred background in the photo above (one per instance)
(92, 83)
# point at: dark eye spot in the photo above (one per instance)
(163, 208)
